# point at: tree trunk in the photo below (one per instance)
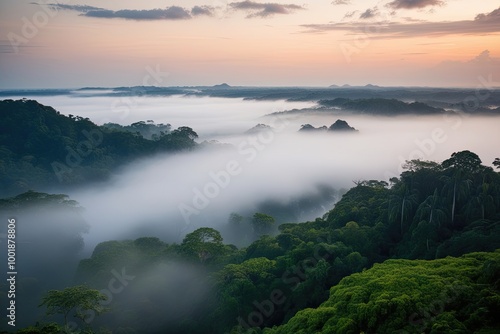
(453, 205)
(402, 214)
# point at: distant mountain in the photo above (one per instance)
(221, 86)
(370, 86)
(338, 126)
(341, 125)
(310, 128)
(449, 98)
(258, 128)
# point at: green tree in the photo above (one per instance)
(404, 296)
(235, 219)
(458, 188)
(431, 207)
(262, 223)
(76, 299)
(480, 201)
(50, 328)
(466, 161)
(402, 202)
(496, 163)
(204, 243)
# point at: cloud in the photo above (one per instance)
(202, 10)
(341, 2)
(482, 24)
(254, 9)
(78, 8)
(264, 9)
(484, 65)
(484, 58)
(168, 13)
(6, 47)
(410, 4)
(369, 13)
(493, 17)
(348, 15)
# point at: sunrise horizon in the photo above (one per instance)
(432, 43)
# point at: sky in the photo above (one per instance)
(105, 43)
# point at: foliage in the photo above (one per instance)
(148, 130)
(262, 223)
(440, 296)
(380, 106)
(431, 211)
(49, 328)
(496, 163)
(76, 300)
(41, 148)
(203, 244)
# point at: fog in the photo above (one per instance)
(294, 176)
(210, 117)
(170, 195)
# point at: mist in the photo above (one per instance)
(293, 176)
(169, 196)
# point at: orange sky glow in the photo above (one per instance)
(284, 43)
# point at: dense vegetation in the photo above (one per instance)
(300, 280)
(42, 148)
(379, 261)
(452, 295)
(378, 106)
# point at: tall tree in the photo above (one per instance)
(431, 207)
(458, 188)
(496, 163)
(402, 201)
(76, 299)
(463, 165)
(481, 200)
(262, 223)
(466, 161)
(204, 243)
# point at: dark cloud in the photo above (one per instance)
(369, 13)
(202, 10)
(341, 2)
(169, 13)
(493, 17)
(482, 24)
(264, 9)
(410, 4)
(348, 15)
(78, 8)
